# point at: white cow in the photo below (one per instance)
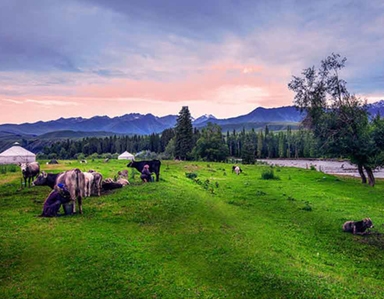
(88, 183)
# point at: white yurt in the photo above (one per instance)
(126, 156)
(16, 154)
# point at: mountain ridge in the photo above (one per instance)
(146, 124)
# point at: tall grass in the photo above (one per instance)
(229, 236)
(8, 168)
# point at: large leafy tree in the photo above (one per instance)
(183, 134)
(211, 145)
(338, 119)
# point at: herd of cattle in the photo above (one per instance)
(82, 184)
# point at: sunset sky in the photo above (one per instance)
(223, 57)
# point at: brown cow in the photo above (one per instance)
(74, 182)
(29, 171)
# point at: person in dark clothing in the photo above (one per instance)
(146, 175)
(58, 196)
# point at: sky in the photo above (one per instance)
(82, 58)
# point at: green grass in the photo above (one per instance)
(212, 234)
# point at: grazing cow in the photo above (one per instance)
(236, 169)
(88, 183)
(154, 166)
(74, 181)
(83, 161)
(46, 179)
(29, 171)
(97, 182)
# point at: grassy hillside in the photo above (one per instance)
(201, 232)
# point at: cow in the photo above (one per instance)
(122, 173)
(88, 183)
(236, 169)
(97, 182)
(46, 179)
(109, 184)
(154, 166)
(74, 181)
(29, 171)
(123, 182)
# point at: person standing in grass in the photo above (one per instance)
(58, 196)
(146, 175)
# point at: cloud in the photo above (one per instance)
(47, 103)
(13, 101)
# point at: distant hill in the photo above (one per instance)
(39, 133)
(140, 124)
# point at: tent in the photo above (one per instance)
(126, 156)
(16, 154)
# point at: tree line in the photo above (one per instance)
(208, 144)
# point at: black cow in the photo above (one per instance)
(154, 166)
(46, 179)
(29, 171)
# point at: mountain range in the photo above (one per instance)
(134, 123)
(140, 124)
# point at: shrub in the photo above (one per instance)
(269, 175)
(191, 175)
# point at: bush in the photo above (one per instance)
(191, 175)
(269, 175)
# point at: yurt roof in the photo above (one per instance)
(16, 150)
(126, 154)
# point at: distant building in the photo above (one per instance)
(126, 156)
(16, 154)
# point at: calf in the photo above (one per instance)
(29, 171)
(154, 166)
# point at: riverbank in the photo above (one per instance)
(326, 166)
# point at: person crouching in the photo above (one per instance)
(146, 175)
(58, 196)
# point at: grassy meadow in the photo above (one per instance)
(200, 232)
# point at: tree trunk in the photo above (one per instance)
(362, 175)
(371, 178)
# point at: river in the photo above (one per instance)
(326, 166)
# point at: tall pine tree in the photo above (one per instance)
(183, 134)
